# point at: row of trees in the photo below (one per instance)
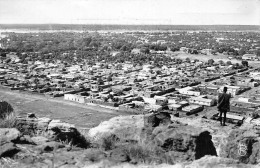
(95, 47)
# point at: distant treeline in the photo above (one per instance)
(96, 27)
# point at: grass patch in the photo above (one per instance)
(147, 152)
(107, 142)
(8, 163)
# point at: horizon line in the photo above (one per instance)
(129, 24)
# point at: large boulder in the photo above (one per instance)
(65, 132)
(8, 149)
(7, 137)
(9, 134)
(51, 129)
(32, 125)
(242, 145)
(183, 142)
(62, 126)
(39, 140)
(129, 127)
(156, 119)
(217, 162)
(50, 146)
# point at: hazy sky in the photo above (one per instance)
(131, 11)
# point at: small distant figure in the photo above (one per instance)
(223, 105)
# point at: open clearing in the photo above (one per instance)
(81, 115)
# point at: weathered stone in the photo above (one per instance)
(38, 140)
(50, 146)
(66, 132)
(27, 126)
(31, 115)
(8, 149)
(184, 142)
(8, 134)
(68, 166)
(217, 162)
(154, 120)
(51, 129)
(129, 127)
(32, 125)
(242, 145)
(25, 139)
(42, 123)
(64, 127)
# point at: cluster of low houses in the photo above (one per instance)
(184, 88)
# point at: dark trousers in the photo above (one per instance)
(222, 119)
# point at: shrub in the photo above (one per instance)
(255, 115)
(109, 142)
(5, 109)
(147, 152)
(8, 122)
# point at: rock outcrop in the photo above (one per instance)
(180, 142)
(242, 145)
(7, 138)
(130, 126)
(217, 162)
(156, 119)
(50, 129)
(183, 142)
(128, 141)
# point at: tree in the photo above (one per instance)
(100, 81)
(158, 72)
(178, 61)
(119, 66)
(211, 61)
(196, 60)
(145, 50)
(221, 62)
(229, 63)
(245, 63)
(258, 52)
(109, 78)
(187, 60)
(242, 51)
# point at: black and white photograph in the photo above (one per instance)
(129, 83)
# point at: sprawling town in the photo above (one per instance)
(137, 72)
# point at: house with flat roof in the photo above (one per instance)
(249, 57)
(201, 101)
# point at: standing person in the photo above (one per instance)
(223, 105)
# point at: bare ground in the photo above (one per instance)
(83, 116)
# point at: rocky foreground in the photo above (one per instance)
(157, 140)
